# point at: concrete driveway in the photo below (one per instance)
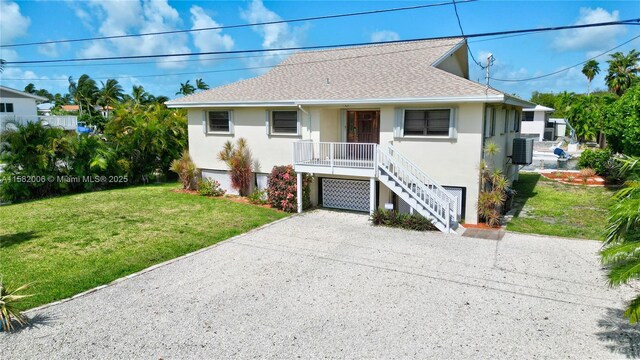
(327, 284)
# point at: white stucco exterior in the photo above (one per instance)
(449, 161)
(536, 127)
(23, 104)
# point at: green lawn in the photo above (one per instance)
(551, 208)
(69, 244)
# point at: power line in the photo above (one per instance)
(509, 32)
(256, 67)
(324, 17)
(567, 68)
(122, 63)
(455, 8)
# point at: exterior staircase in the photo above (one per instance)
(423, 194)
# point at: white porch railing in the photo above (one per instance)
(64, 122)
(332, 155)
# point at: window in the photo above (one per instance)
(6, 107)
(427, 122)
(489, 122)
(284, 122)
(516, 122)
(507, 118)
(218, 121)
(528, 116)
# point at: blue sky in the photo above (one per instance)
(516, 57)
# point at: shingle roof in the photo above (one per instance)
(389, 71)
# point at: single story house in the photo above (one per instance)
(21, 107)
(536, 124)
(376, 125)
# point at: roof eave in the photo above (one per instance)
(26, 94)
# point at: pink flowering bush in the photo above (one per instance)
(282, 189)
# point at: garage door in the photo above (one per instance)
(345, 194)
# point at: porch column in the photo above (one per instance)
(299, 190)
(372, 195)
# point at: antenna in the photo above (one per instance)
(490, 60)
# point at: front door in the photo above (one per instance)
(363, 126)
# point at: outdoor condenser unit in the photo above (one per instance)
(522, 151)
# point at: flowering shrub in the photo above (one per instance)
(282, 189)
(210, 187)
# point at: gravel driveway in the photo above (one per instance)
(327, 284)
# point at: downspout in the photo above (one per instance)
(308, 118)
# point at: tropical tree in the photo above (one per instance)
(2, 63)
(110, 94)
(186, 89)
(623, 70)
(88, 91)
(590, 69)
(621, 251)
(30, 88)
(73, 92)
(201, 85)
(139, 95)
(622, 123)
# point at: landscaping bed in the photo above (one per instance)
(69, 244)
(547, 207)
(574, 178)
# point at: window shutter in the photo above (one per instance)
(231, 127)
(453, 124)
(398, 123)
(267, 121)
(204, 122)
(343, 125)
(299, 123)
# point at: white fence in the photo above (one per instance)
(63, 122)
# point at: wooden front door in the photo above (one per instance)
(363, 126)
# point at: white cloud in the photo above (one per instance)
(55, 83)
(384, 35)
(53, 49)
(210, 40)
(273, 36)
(13, 25)
(590, 39)
(139, 16)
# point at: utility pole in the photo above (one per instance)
(490, 60)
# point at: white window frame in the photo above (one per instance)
(400, 117)
(489, 122)
(517, 121)
(5, 110)
(205, 123)
(269, 123)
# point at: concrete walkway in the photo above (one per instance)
(327, 284)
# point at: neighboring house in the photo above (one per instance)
(45, 109)
(20, 107)
(559, 127)
(104, 110)
(385, 124)
(536, 124)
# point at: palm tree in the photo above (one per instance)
(30, 88)
(110, 94)
(623, 70)
(88, 90)
(590, 69)
(73, 92)
(622, 247)
(201, 85)
(186, 89)
(2, 62)
(139, 95)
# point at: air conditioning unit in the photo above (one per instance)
(522, 151)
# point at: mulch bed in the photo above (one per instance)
(573, 178)
(481, 226)
(234, 198)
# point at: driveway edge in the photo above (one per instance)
(156, 266)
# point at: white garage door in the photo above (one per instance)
(345, 194)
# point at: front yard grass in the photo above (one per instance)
(550, 208)
(70, 244)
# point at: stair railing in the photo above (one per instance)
(442, 204)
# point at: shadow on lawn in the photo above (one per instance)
(524, 190)
(17, 238)
(620, 336)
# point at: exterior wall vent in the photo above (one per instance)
(522, 151)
